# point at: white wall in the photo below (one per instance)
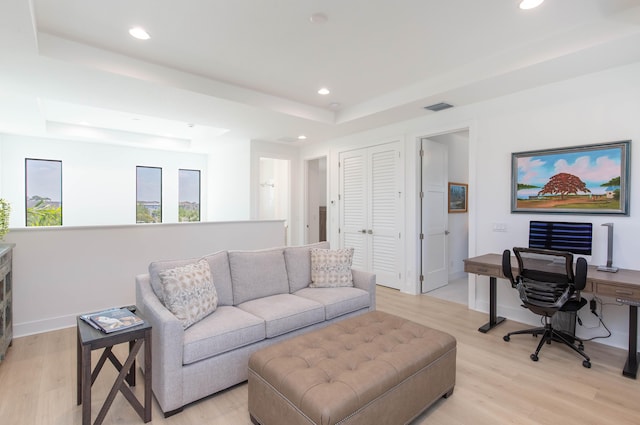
(101, 178)
(60, 272)
(98, 180)
(228, 187)
(596, 108)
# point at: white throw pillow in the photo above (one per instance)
(331, 268)
(189, 292)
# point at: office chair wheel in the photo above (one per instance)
(534, 357)
(586, 363)
(506, 338)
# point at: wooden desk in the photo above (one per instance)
(623, 285)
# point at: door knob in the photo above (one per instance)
(446, 232)
(363, 231)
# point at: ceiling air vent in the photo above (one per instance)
(438, 107)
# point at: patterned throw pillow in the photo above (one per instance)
(189, 292)
(331, 268)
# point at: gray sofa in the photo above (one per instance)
(263, 297)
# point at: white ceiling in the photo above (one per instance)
(224, 70)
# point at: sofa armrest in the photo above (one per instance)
(167, 343)
(366, 281)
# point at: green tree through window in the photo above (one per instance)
(43, 179)
(148, 194)
(188, 195)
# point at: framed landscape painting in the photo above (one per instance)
(458, 197)
(590, 179)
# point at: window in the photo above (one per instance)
(43, 187)
(188, 195)
(148, 195)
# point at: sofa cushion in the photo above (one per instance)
(298, 262)
(224, 330)
(189, 292)
(331, 268)
(221, 275)
(337, 301)
(257, 274)
(285, 312)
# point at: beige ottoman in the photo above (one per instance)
(375, 368)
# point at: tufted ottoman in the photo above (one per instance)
(375, 368)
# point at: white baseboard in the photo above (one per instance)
(46, 325)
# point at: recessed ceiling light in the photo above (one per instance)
(324, 91)
(302, 137)
(334, 105)
(530, 4)
(139, 33)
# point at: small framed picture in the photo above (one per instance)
(458, 197)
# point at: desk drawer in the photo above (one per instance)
(617, 291)
(483, 269)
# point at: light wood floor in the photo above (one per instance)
(496, 382)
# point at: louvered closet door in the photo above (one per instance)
(385, 214)
(353, 205)
(371, 207)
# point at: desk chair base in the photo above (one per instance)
(549, 334)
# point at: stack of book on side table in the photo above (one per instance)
(113, 319)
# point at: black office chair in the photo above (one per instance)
(547, 284)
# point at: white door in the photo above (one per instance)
(354, 205)
(435, 261)
(370, 210)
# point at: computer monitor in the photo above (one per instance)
(563, 236)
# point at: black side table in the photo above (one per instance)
(91, 339)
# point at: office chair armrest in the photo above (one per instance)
(580, 280)
(506, 267)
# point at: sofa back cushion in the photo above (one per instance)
(257, 274)
(298, 262)
(220, 275)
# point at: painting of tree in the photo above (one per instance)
(564, 184)
(588, 179)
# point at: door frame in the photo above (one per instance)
(306, 208)
(472, 128)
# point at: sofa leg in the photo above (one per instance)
(254, 421)
(448, 393)
(173, 412)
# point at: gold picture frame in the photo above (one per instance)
(458, 197)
